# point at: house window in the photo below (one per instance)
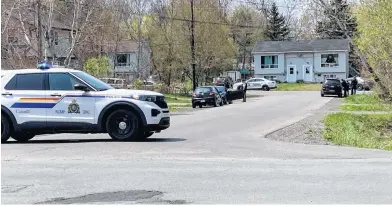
(291, 70)
(329, 60)
(270, 77)
(121, 60)
(269, 62)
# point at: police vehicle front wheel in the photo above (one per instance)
(23, 136)
(123, 125)
(5, 129)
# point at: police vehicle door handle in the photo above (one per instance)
(55, 95)
(7, 94)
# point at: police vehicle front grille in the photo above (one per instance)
(160, 101)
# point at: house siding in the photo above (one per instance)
(299, 61)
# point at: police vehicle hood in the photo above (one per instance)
(131, 92)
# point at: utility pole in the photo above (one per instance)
(39, 30)
(193, 47)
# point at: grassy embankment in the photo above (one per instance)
(361, 130)
(298, 87)
(177, 102)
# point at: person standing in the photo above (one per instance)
(345, 88)
(245, 88)
(354, 85)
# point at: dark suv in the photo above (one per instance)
(206, 95)
(332, 87)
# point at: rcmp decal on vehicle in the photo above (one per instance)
(74, 107)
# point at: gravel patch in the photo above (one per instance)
(308, 130)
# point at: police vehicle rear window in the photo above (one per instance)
(26, 82)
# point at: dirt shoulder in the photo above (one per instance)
(308, 130)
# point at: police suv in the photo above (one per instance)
(59, 100)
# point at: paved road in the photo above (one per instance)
(215, 155)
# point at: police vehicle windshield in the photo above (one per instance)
(94, 82)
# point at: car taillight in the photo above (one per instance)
(212, 93)
(194, 95)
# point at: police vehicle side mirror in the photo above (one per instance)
(81, 87)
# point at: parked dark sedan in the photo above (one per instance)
(206, 95)
(332, 87)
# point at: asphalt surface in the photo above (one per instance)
(210, 156)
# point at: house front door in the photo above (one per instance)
(308, 73)
(291, 74)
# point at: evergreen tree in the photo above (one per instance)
(277, 28)
(329, 29)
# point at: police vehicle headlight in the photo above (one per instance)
(144, 97)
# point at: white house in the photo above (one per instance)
(306, 60)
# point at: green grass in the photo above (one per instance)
(362, 99)
(171, 98)
(364, 102)
(364, 131)
(298, 87)
(366, 107)
(174, 108)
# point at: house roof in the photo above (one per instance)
(301, 46)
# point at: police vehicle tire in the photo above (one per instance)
(22, 136)
(5, 129)
(265, 88)
(124, 125)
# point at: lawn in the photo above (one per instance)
(364, 102)
(298, 87)
(362, 99)
(171, 98)
(364, 131)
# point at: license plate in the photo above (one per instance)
(202, 100)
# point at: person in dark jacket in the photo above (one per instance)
(346, 87)
(245, 88)
(354, 85)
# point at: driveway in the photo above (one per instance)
(211, 156)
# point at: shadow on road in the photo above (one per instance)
(65, 141)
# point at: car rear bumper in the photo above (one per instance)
(163, 124)
(204, 101)
(330, 91)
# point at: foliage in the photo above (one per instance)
(138, 84)
(97, 66)
(245, 37)
(329, 28)
(170, 41)
(365, 131)
(277, 28)
(375, 40)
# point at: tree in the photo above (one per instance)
(97, 66)
(277, 29)
(247, 27)
(363, 59)
(375, 40)
(328, 28)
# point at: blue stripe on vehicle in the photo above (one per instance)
(33, 105)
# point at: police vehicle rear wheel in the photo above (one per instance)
(123, 125)
(23, 136)
(5, 129)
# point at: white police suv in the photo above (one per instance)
(59, 100)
